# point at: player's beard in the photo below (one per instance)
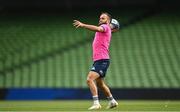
(100, 23)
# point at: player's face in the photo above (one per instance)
(103, 19)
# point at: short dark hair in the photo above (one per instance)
(109, 15)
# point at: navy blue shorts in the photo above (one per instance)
(101, 66)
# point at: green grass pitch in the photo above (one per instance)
(82, 105)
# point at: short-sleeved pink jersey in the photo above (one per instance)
(101, 43)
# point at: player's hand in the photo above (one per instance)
(77, 24)
(114, 30)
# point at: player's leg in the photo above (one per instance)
(92, 76)
(101, 84)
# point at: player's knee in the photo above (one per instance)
(88, 81)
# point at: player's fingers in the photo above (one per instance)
(75, 24)
(75, 21)
(78, 26)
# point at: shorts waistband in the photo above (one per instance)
(102, 60)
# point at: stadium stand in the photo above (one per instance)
(46, 51)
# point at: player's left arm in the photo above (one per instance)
(78, 24)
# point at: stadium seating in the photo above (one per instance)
(46, 51)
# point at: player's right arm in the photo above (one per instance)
(78, 24)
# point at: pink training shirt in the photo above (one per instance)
(101, 43)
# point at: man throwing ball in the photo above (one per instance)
(101, 59)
